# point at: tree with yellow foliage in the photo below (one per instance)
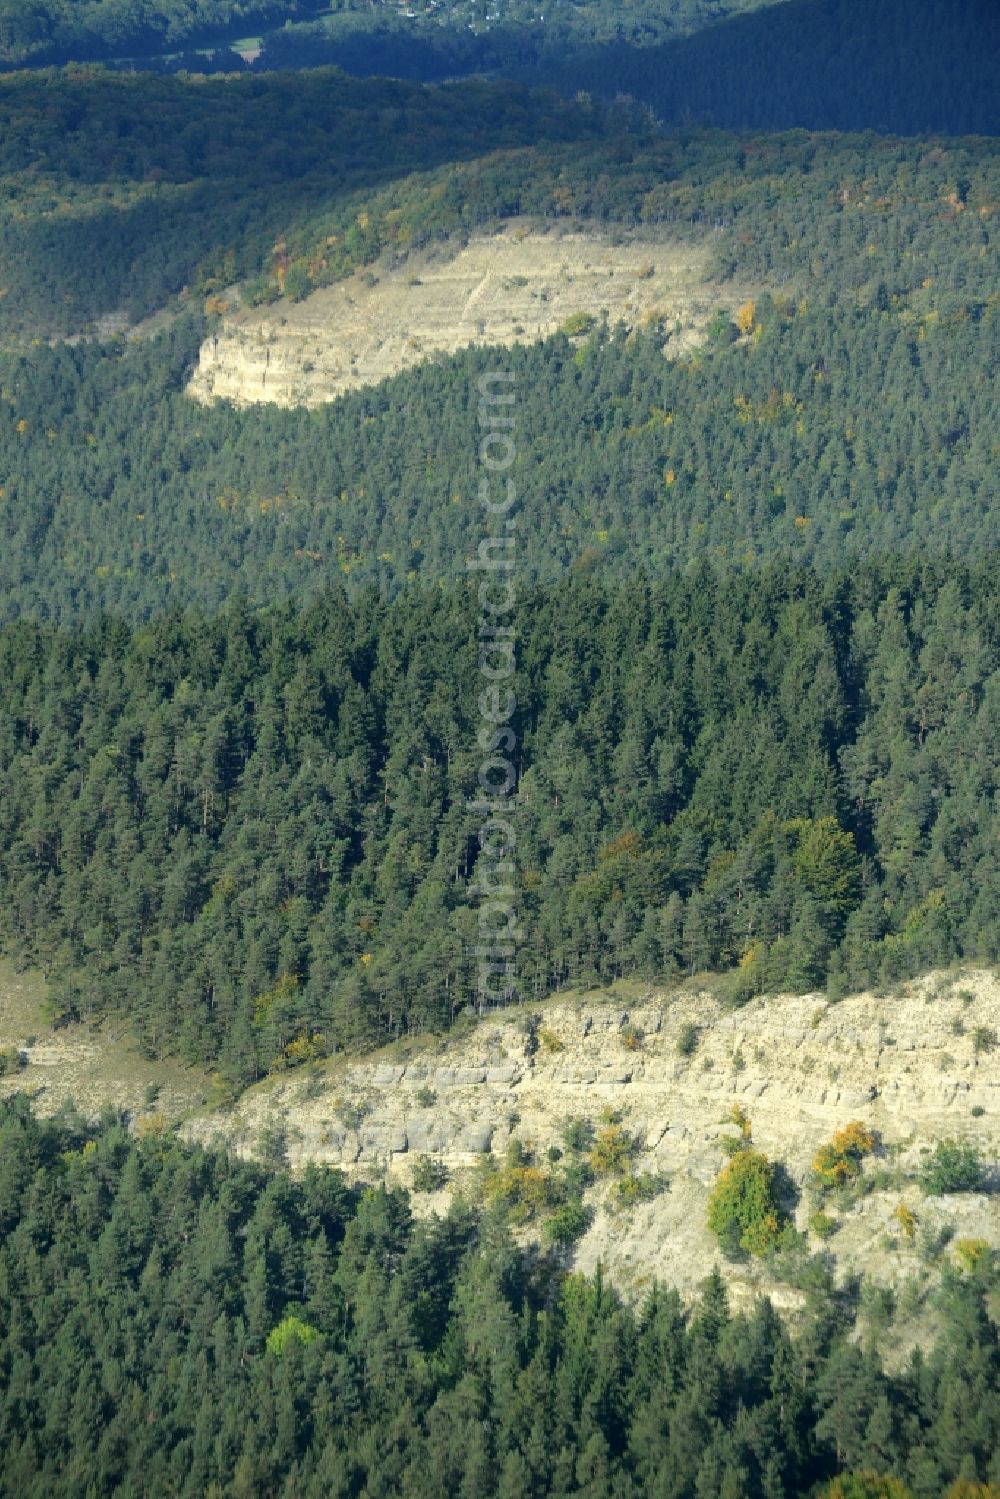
(839, 1161)
(906, 1220)
(746, 317)
(866, 1485)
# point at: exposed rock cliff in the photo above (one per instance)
(515, 285)
(916, 1066)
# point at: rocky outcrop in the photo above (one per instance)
(517, 285)
(916, 1066)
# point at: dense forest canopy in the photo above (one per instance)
(177, 1322)
(854, 418)
(250, 833)
(283, 866)
(823, 440)
(893, 65)
(120, 191)
(433, 39)
(899, 66)
(757, 710)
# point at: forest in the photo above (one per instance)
(435, 39)
(852, 418)
(54, 31)
(249, 833)
(215, 848)
(177, 1322)
(46, 31)
(817, 442)
(897, 66)
(122, 193)
(892, 65)
(755, 718)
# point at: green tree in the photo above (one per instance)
(744, 1210)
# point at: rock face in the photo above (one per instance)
(907, 1065)
(517, 285)
(916, 1065)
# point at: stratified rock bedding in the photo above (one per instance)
(517, 285)
(907, 1064)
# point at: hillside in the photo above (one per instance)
(128, 194)
(671, 1064)
(249, 834)
(61, 30)
(91, 1068)
(897, 66)
(517, 285)
(905, 1063)
(499, 988)
(453, 38)
(198, 33)
(182, 1323)
(852, 420)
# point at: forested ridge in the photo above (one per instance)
(177, 1322)
(249, 832)
(837, 434)
(123, 193)
(892, 65)
(436, 39)
(853, 418)
(61, 30)
(905, 66)
(757, 722)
